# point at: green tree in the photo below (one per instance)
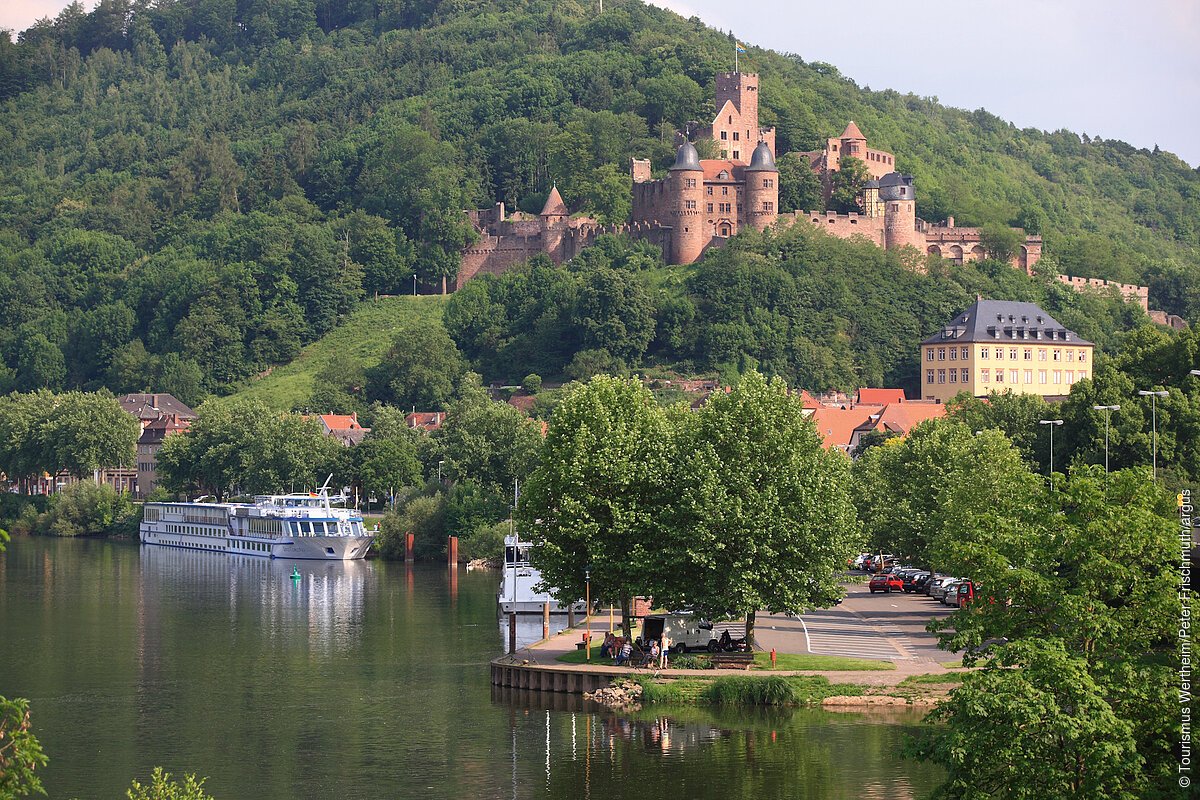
(596, 500)
(847, 185)
(386, 463)
(1000, 242)
(764, 517)
(532, 383)
(87, 508)
(421, 370)
(20, 752)
(86, 432)
(799, 186)
(491, 443)
(163, 787)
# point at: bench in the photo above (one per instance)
(732, 660)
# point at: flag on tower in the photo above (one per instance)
(741, 48)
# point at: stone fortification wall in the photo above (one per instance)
(652, 203)
(1131, 292)
(492, 255)
(843, 226)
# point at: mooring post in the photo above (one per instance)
(408, 547)
(512, 632)
(570, 616)
(452, 551)
(545, 620)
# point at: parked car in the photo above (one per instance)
(950, 595)
(885, 583)
(940, 586)
(685, 630)
(914, 581)
(965, 593)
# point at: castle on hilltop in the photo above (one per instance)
(701, 203)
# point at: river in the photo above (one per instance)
(363, 680)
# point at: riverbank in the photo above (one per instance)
(553, 665)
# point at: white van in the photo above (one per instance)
(685, 630)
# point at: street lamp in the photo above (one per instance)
(1053, 423)
(587, 625)
(1107, 414)
(414, 284)
(1154, 429)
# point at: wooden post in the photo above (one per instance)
(408, 547)
(512, 632)
(452, 551)
(545, 620)
(570, 616)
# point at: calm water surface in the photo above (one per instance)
(362, 680)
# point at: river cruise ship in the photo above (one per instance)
(518, 594)
(305, 526)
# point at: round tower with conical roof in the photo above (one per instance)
(762, 189)
(899, 211)
(686, 183)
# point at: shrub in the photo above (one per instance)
(743, 690)
(532, 383)
(161, 787)
(87, 508)
(486, 541)
(425, 518)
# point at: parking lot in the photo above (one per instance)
(889, 627)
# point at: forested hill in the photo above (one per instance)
(193, 189)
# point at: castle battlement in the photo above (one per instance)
(1130, 291)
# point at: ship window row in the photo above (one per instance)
(209, 515)
(193, 530)
(262, 547)
(192, 545)
(309, 528)
(152, 513)
(265, 527)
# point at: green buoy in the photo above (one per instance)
(295, 574)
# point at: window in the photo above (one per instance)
(1057, 354)
(1013, 377)
(1057, 376)
(929, 354)
(965, 353)
(954, 376)
(736, 155)
(1070, 355)
(985, 375)
(689, 183)
(1041, 354)
(1042, 376)
(966, 375)
(1070, 377)
(929, 376)
(999, 376)
(941, 354)
(1083, 355)
(999, 352)
(1012, 353)
(941, 376)
(954, 354)
(736, 136)
(768, 183)
(768, 206)
(724, 208)
(710, 208)
(724, 135)
(725, 190)
(1029, 354)
(984, 352)
(689, 205)
(709, 190)
(1028, 376)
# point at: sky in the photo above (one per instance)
(1108, 68)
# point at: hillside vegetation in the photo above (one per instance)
(196, 189)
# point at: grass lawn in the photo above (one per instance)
(363, 337)
(810, 661)
(934, 679)
(762, 661)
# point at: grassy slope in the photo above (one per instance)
(364, 336)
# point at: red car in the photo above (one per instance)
(885, 583)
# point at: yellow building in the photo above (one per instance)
(1001, 345)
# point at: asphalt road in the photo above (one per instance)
(888, 627)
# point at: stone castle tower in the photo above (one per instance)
(762, 189)
(685, 185)
(900, 212)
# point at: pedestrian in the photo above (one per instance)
(626, 651)
(662, 656)
(654, 651)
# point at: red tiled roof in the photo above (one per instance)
(340, 422)
(808, 400)
(555, 207)
(712, 168)
(837, 424)
(852, 132)
(880, 396)
(425, 420)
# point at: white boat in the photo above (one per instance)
(517, 593)
(305, 526)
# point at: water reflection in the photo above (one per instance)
(319, 602)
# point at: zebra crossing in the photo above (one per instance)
(834, 632)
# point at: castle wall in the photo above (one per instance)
(492, 255)
(843, 226)
(1131, 292)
